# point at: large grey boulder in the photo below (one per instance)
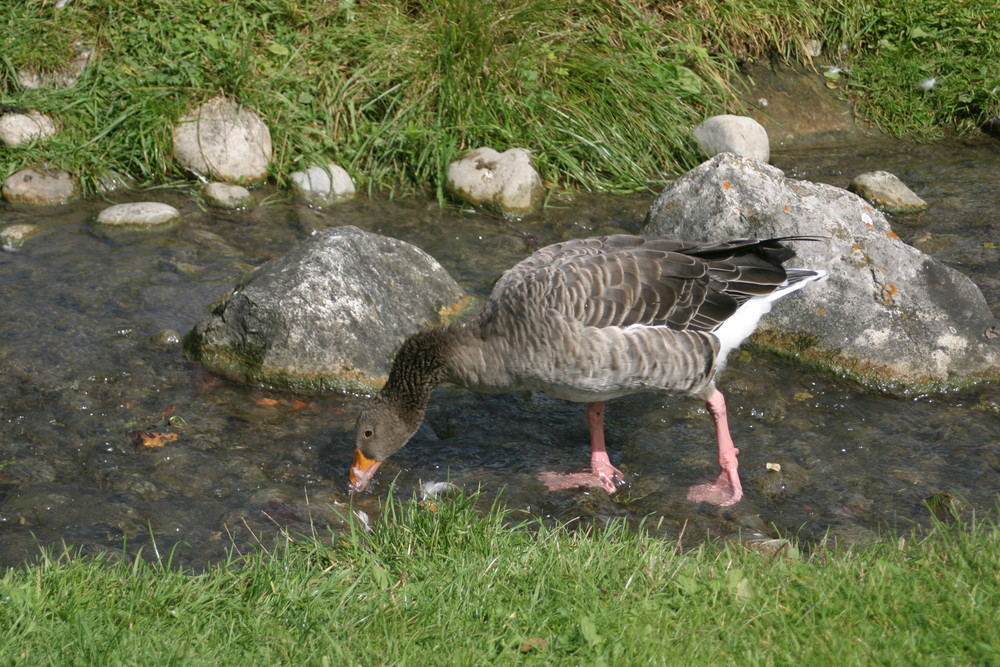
(329, 314)
(506, 182)
(224, 141)
(889, 315)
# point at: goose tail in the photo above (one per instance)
(743, 322)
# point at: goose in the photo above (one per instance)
(589, 320)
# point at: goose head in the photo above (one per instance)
(396, 412)
(383, 427)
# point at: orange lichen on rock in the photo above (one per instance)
(889, 290)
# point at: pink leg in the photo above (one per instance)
(600, 464)
(725, 490)
(603, 474)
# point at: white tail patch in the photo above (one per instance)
(743, 322)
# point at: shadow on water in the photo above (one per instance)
(82, 372)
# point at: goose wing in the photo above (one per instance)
(622, 280)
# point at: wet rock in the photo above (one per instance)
(17, 129)
(139, 215)
(733, 134)
(946, 507)
(31, 471)
(849, 535)
(61, 77)
(771, 547)
(504, 181)
(13, 236)
(888, 316)
(145, 489)
(887, 192)
(324, 508)
(166, 337)
(226, 196)
(212, 242)
(777, 482)
(224, 141)
(992, 127)
(323, 185)
(39, 187)
(329, 314)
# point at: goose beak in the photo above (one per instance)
(362, 471)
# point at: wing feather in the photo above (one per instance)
(622, 280)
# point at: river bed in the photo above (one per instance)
(85, 366)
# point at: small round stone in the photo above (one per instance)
(226, 196)
(39, 187)
(139, 214)
(323, 185)
(18, 129)
(14, 236)
(167, 337)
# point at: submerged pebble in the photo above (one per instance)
(226, 196)
(13, 236)
(139, 215)
(167, 337)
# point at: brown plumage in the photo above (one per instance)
(588, 320)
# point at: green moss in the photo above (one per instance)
(245, 366)
(803, 349)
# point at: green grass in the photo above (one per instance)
(919, 68)
(604, 92)
(392, 90)
(442, 583)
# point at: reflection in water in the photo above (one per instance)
(81, 369)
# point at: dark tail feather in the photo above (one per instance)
(771, 250)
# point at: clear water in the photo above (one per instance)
(80, 373)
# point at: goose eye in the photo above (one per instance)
(368, 433)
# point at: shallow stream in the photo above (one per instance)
(84, 365)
